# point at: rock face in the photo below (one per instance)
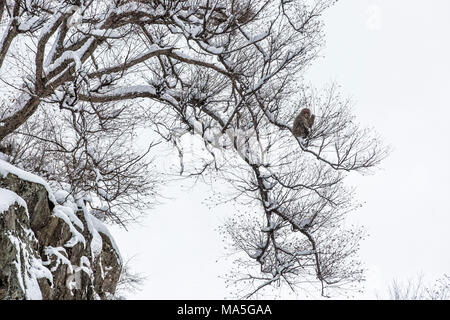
(51, 247)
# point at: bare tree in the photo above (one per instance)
(416, 289)
(129, 282)
(90, 73)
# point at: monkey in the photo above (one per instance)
(303, 123)
(6, 149)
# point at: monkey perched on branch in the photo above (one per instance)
(6, 149)
(303, 123)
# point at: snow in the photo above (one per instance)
(76, 18)
(106, 33)
(305, 222)
(61, 196)
(69, 217)
(7, 168)
(36, 271)
(212, 49)
(29, 273)
(61, 257)
(95, 227)
(75, 56)
(70, 213)
(28, 23)
(47, 28)
(169, 96)
(132, 90)
(9, 198)
(257, 38)
(255, 254)
(100, 227)
(96, 242)
(85, 265)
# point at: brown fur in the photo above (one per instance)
(303, 123)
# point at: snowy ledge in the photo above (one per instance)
(9, 198)
(28, 266)
(7, 168)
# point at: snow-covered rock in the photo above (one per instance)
(50, 247)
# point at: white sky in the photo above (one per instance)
(393, 59)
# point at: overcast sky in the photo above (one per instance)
(393, 59)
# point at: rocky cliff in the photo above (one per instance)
(51, 247)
